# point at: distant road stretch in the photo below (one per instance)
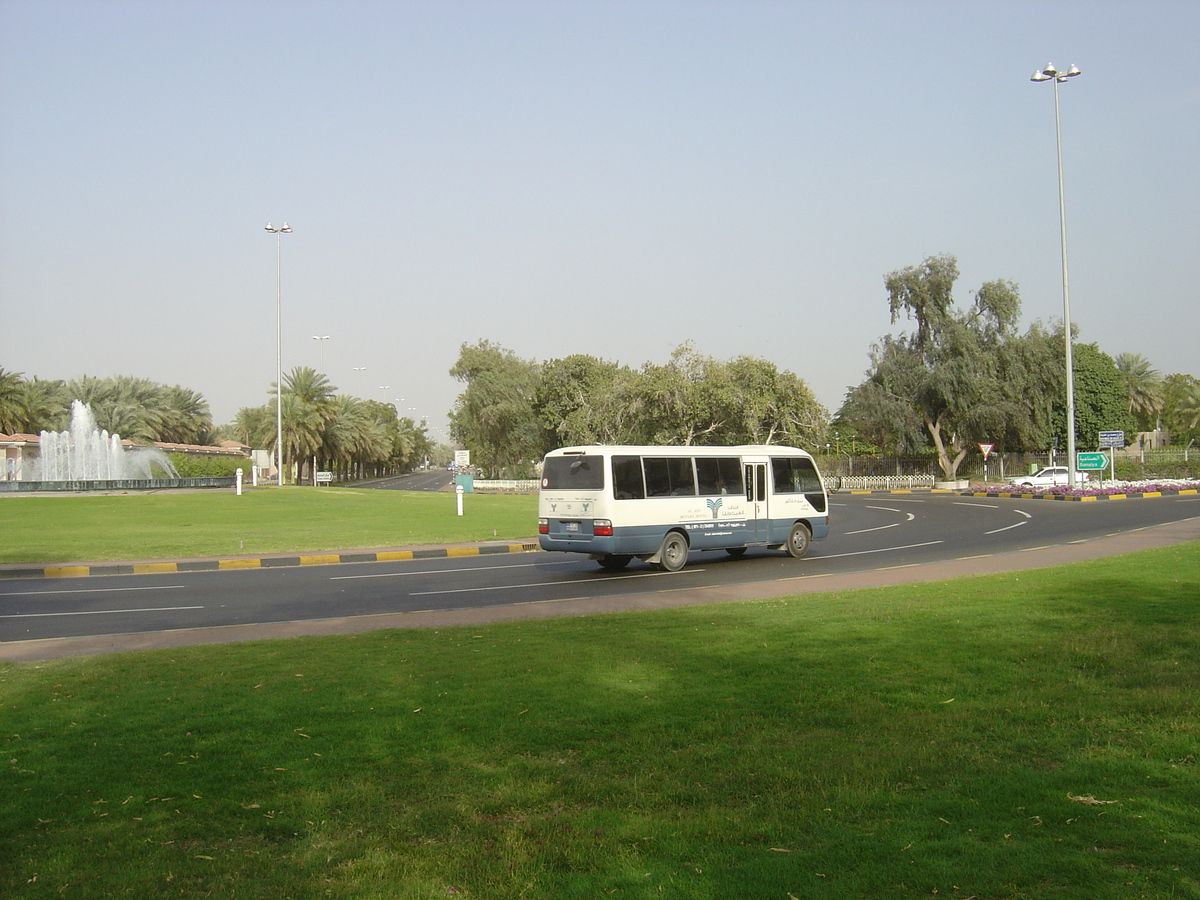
(428, 480)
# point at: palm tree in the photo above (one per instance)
(131, 407)
(1189, 406)
(13, 412)
(254, 426)
(186, 419)
(308, 385)
(303, 430)
(1143, 385)
(47, 405)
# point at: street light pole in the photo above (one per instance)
(282, 229)
(1053, 75)
(321, 339)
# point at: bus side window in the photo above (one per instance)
(783, 475)
(627, 478)
(718, 475)
(658, 477)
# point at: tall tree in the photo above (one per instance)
(1181, 407)
(1189, 406)
(1100, 399)
(580, 399)
(1143, 386)
(186, 419)
(493, 416)
(949, 369)
(13, 412)
(770, 406)
(926, 294)
(961, 373)
(881, 409)
(47, 406)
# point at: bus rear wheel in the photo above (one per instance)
(673, 553)
(613, 563)
(798, 540)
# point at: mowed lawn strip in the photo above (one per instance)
(50, 529)
(1033, 735)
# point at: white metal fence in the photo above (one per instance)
(879, 482)
(506, 485)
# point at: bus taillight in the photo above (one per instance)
(543, 526)
(602, 527)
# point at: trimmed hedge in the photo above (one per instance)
(209, 466)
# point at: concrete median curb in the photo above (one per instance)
(266, 561)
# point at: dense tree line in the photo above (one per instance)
(345, 434)
(512, 410)
(965, 376)
(135, 408)
(351, 437)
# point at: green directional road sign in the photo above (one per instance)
(1092, 461)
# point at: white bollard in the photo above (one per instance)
(238, 482)
(459, 491)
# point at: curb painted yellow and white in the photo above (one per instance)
(167, 567)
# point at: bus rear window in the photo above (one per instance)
(579, 473)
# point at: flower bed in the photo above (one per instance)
(1102, 489)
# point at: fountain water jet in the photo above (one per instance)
(86, 453)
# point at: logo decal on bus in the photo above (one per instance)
(714, 505)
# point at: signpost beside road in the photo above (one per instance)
(986, 450)
(1091, 461)
(1112, 439)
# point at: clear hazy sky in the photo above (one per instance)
(611, 178)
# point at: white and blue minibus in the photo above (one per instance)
(615, 503)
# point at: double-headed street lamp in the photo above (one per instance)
(1052, 74)
(321, 339)
(282, 229)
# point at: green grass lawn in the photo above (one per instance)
(76, 528)
(1032, 735)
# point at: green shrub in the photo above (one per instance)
(1132, 468)
(209, 466)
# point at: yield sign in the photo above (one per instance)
(986, 449)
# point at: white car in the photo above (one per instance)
(1048, 477)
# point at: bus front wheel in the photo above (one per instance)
(673, 553)
(798, 540)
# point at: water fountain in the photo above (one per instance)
(87, 458)
(87, 453)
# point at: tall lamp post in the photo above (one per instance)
(321, 339)
(282, 229)
(1053, 75)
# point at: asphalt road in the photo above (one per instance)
(428, 480)
(874, 539)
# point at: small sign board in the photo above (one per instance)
(1112, 439)
(324, 478)
(986, 449)
(1090, 461)
(462, 458)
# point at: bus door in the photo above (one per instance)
(756, 500)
